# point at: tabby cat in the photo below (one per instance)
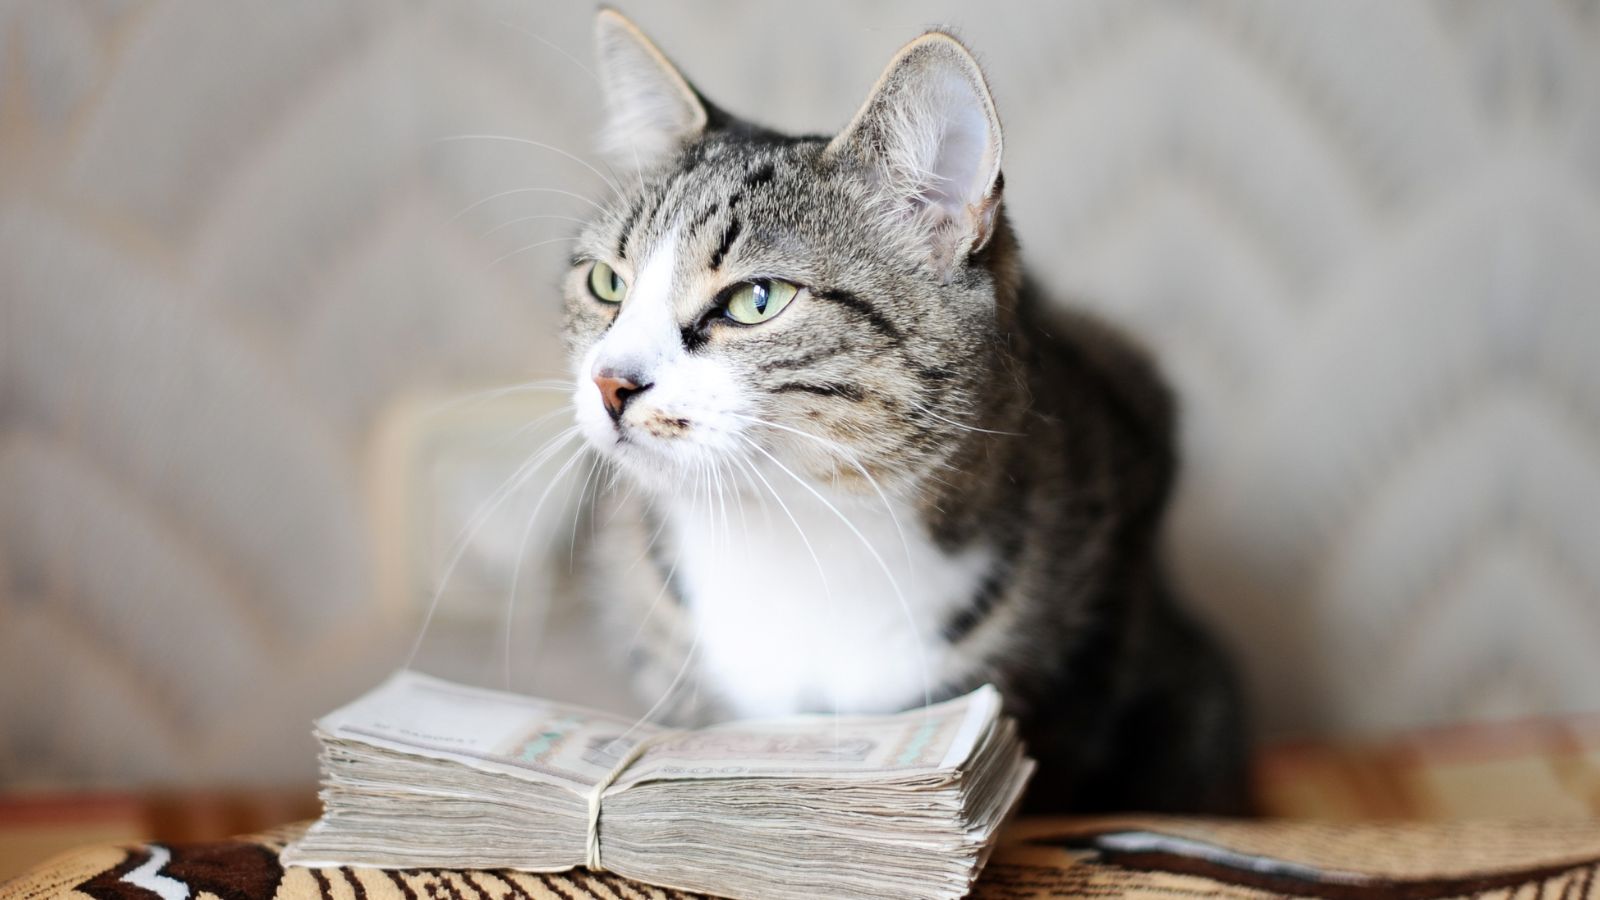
(869, 464)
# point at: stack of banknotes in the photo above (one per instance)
(425, 773)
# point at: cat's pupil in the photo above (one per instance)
(758, 296)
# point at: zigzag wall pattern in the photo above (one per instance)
(1361, 236)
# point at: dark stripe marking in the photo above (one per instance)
(988, 595)
(703, 218)
(760, 176)
(798, 362)
(983, 603)
(671, 194)
(627, 227)
(694, 336)
(668, 572)
(867, 311)
(829, 389)
(728, 237)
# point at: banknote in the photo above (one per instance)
(423, 772)
(495, 731)
(525, 737)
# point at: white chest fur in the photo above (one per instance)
(794, 610)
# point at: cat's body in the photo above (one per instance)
(911, 478)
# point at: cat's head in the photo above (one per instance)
(824, 302)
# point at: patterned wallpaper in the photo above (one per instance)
(234, 247)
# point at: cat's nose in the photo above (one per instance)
(617, 388)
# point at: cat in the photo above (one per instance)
(868, 464)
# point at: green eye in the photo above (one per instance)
(605, 284)
(755, 302)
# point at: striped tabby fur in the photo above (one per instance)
(917, 477)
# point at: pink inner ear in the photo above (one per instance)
(960, 179)
(945, 133)
(930, 131)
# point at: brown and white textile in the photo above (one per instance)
(1150, 857)
(1483, 790)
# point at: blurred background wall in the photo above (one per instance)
(249, 312)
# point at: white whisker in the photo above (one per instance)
(577, 512)
(539, 218)
(905, 545)
(666, 582)
(488, 394)
(738, 504)
(638, 167)
(524, 249)
(650, 713)
(822, 573)
(688, 657)
(615, 476)
(827, 590)
(516, 569)
(654, 536)
(552, 45)
(537, 422)
(722, 500)
(951, 422)
(894, 584)
(755, 489)
(526, 190)
(528, 142)
(479, 518)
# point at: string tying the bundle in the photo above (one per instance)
(592, 851)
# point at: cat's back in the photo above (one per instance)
(1099, 387)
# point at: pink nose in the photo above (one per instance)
(616, 390)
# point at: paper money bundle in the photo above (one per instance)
(424, 773)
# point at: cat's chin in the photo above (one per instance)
(656, 465)
(659, 453)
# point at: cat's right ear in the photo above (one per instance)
(930, 139)
(651, 109)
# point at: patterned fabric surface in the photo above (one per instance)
(1361, 237)
(1545, 771)
(1039, 858)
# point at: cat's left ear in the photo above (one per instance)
(651, 109)
(930, 137)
